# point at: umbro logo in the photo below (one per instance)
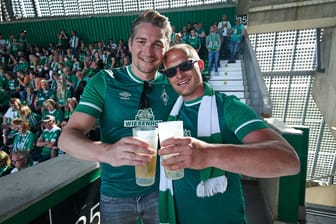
(124, 95)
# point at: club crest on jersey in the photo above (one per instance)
(164, 97)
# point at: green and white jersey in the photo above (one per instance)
(24, 141)
(12, 85)
(57, 113)
(195, 41)
(236, 121)
(50, 136)
(43, 95)
(213, 41)
(113, 97)
(10, 115)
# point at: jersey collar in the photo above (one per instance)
(136, 78)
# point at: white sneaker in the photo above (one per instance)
(216, 73)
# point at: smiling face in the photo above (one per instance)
(188, 83)
(147, 48)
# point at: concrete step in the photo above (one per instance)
(226, 65)
(226, 82)
(224, 88)
(231, 75)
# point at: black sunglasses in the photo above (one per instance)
(184, 66)
(144, 100)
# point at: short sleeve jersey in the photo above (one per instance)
(213, 41)
(113, 97)
(57, 113)
(43, 95)
(24, 141)
(50, 136)
(195, 42)
(236, 121)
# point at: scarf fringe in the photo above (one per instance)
(211, 186)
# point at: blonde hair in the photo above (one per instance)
(50, 102)
(16, 102)
(69, 101)
(25, 111)
(5, 157)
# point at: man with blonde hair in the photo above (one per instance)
(121, 99)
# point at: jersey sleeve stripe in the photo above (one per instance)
(90, 105)
(245, 124)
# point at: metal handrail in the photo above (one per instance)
(260, 99)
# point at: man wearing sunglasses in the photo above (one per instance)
(225, 138)
(123, 98)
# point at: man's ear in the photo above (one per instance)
(201, 64)
(129, 44)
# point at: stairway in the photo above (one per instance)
(230, 79)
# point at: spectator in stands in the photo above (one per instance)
(23, 64)
(236, 35)
(185, 34)
(201, 33)
(173, 36)
(212, 157)
(107, 94)
(9, 133)
(70, 79)
(224, 27)
(178, 38)
(32, 118)
(3, 45)
(25, 139)
(52, 108)
(213, 44)
(63, 40)
(54, 64)
(74, 42)
(42, 95)
(76, 66)
(194, 40)
(5, 164)
(2, 79)
(23, 44)
(48, 139)
(23, 81)
(21, 160)
(126, 61)
(121, 51)
(69, 108)
(34, 80)
(12, 112)
(12, 45)
(34, 63)
(12, 84)
(80, 85)
(62, 92)
(30, 97)
(109, 59)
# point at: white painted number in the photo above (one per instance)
(94, 216)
